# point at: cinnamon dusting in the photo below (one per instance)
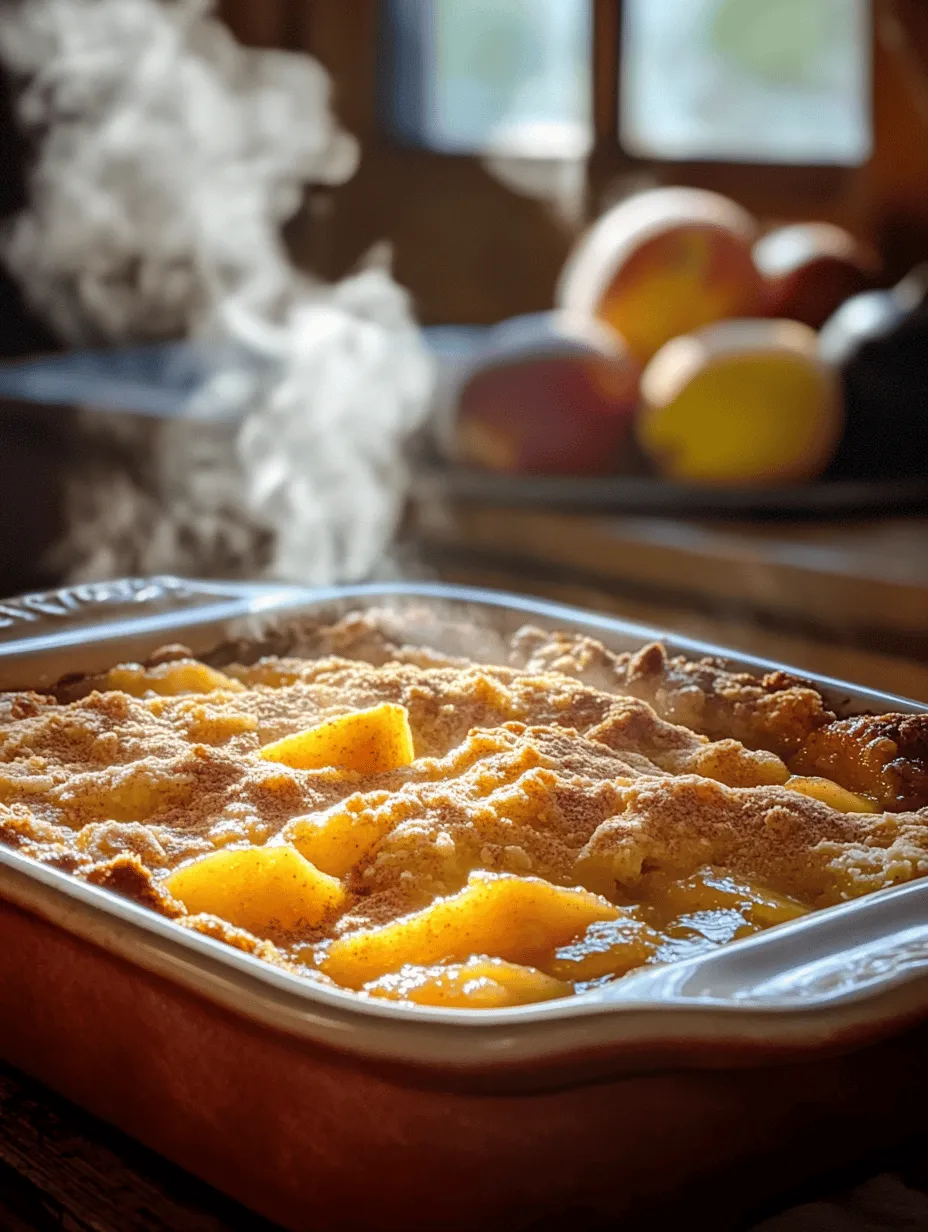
(570, 763)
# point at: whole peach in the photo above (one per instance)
(547, 395)
(810, 269)
(741, 402)
(663, 263)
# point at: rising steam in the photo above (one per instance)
(168, 159)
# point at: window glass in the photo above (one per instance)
(775, 81)
(508, 77)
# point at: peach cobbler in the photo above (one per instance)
(424, 829)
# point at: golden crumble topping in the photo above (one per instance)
(417, 827)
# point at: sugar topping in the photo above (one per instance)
(569, 764)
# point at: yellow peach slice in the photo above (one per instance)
(520, 919)
(830, 793)
(479, 984)
(170, 679)
(337, 839)
(263, 889)
(714, 890)
(370, 741)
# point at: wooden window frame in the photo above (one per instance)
(470, 249)
(768, 189)
(883, 201)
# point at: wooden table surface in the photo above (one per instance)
(62, 1170)
(847, 600)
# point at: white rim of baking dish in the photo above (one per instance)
(852, 970)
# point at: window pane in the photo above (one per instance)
(775, 81)
(501, 76)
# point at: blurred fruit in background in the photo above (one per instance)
(810, 269)
(741, 402)
(878, 341)
(737, 387)
(663, 263)
(545, 394)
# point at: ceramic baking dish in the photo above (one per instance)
(798, 1045)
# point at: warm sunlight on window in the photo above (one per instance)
(774, 81)
(490, 76)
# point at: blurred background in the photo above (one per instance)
(629, 297)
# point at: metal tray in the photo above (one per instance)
(131, 1016)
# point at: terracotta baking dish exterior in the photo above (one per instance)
(724, 1079)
